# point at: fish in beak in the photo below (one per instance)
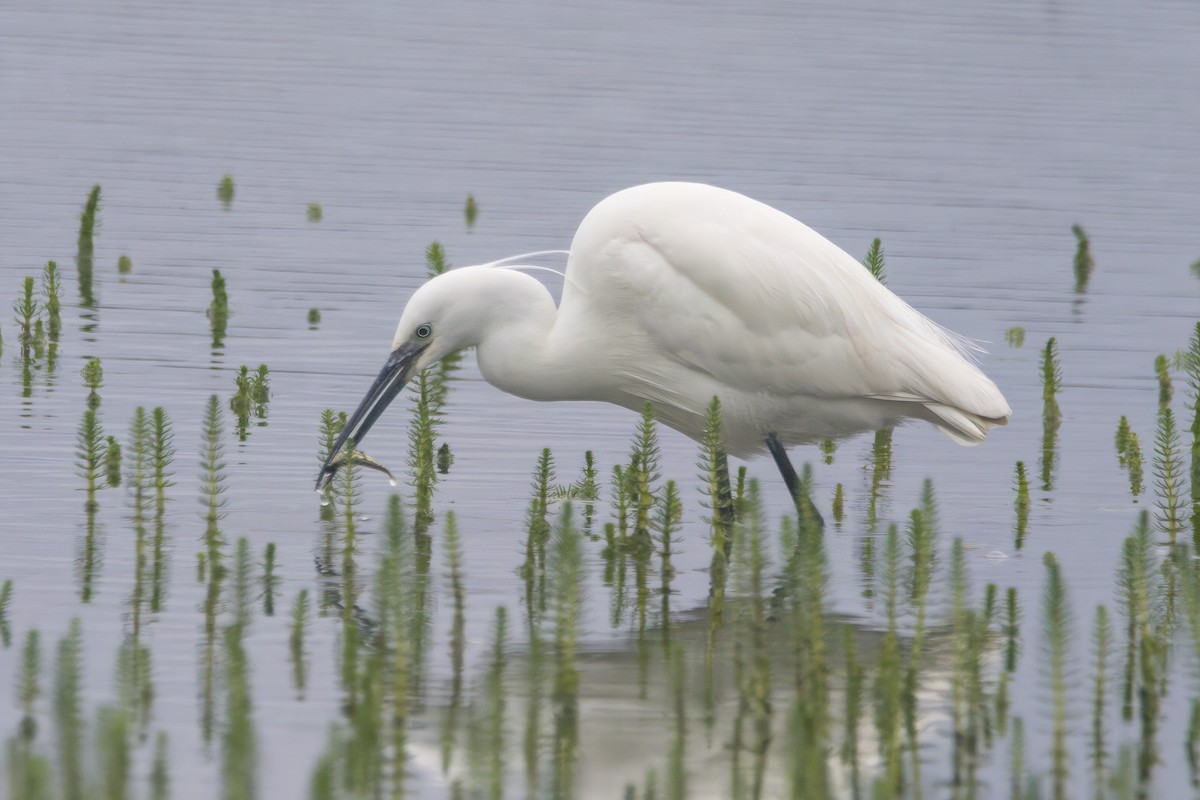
(391, 381)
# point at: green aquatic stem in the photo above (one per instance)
(1169, 480)
(313, 212)
(6, 592)
(889, 679)
(1121, 441)
(1135, 464)
(1051, 413)
(445, 459)
(643, 474)
(243, 584)
(566, 571)
(676, 780)
(160, 772)
(135, 688)
(852, 712)
(714, 473)
(69, 724)
(827, 447)
(1192, 377)
(839, 503)
(52, 300)
(1084, 264)
(667, 525)
(874, 261)
(314, 317)
(89, 453)
(470, 211)
(93, 379)
(881, 473)
(495, 700)
(458, 639)
(296, 651)
(270, 581)
(1166, 391)
(1022, 503)
(239, 742)
(140, 478)
(124, 265)
(112, 461)
(225, 191)
(28, 688)
(218, 309)
(26, 310)
(113, 751)
(89, 222)
(422, 432)
(1056, 635)
(1015, 336)
(537, 534)
(1098, 747)
(212, 483)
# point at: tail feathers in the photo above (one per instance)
(963, 427)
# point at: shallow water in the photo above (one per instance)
(970, 138)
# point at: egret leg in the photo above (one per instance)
(804, 503)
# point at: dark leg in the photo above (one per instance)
(804, 503)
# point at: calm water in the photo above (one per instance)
(970, 137)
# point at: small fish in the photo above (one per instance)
(359, 459)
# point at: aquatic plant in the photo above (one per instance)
(1084, 264)
(218, 309)
(642, 475)
(52, 303)
(162, 456)
(270, 581)
(1165, 391)
(839, 503)
(566, 581)
(422, 433)
(225, 191)
(296, 652)
(1022, 503)
(1192, 372)
(68, 712)
(89, 453)
(537, 533)
(26, 309)
(1051, 414)
(313, 212)
(124, 265)
(1168, 477)
(828, 448)
(1056, 632)
(212, 481)
(6, 591)
(1101, 645)
(470, 211)
(457, 642)
(874, 261)
(714, 474)
(85, 252)
(112, 461)
(314, 317)
(93, 379)
(1015, 336)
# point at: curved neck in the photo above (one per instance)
(520, 349)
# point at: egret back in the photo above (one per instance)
(700, 288)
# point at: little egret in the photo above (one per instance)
(679, 292)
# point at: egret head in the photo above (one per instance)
(444, 315)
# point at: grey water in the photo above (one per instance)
(968, 136)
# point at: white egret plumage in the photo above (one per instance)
(678, 292)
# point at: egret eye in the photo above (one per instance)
(424, 330)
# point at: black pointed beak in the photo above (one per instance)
(391, 380)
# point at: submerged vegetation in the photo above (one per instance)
(760, 687)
